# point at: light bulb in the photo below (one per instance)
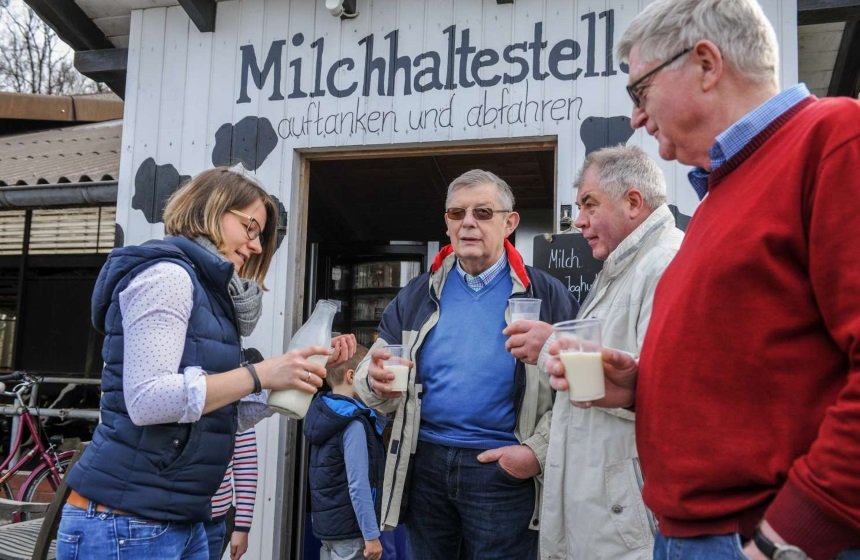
(335, 7)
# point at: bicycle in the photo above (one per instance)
(45, 478)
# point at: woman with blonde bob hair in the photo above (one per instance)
(174, 312)
(197, 208)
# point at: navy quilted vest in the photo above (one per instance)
(331, 507)
(166, 472)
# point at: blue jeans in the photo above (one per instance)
(715, 547)
(394, 544)
(88, 534)
(459, 508)
(215, 531)
(346, 549)
(719, 547)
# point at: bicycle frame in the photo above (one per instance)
(39, 447)
(47, 462)
(47, 458)
(50, 464)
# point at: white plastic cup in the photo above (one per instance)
(398, 364)
(524, 309)
(580, 344)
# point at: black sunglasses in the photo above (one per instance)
(634, 90)
(479, 213)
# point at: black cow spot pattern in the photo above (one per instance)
(118, 236)
(249, 142)
(153, 185)
(602, 132)
(282, 223)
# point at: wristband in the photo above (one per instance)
(253, 371)
(777, 551)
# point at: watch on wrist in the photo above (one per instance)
(777, 551)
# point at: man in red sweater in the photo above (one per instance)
(747, 391)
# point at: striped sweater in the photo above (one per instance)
(239, 486)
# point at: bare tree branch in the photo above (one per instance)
(33, 59)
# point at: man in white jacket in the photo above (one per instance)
(592, 506)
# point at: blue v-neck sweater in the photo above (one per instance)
(468, 376)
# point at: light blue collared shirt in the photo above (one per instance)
(736, 137)
(478, 282)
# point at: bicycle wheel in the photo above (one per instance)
(42, 487)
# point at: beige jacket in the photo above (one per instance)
(592, 506)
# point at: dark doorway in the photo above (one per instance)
(366, 205)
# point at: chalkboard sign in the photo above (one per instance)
(567, 256)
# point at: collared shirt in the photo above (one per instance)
(478, 282)
(733, 139)
(156, 308)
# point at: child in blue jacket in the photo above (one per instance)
(346, 469)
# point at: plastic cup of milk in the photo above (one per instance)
(524, 309)
(398, 364)
(580, 346)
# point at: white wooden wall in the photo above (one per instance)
(183, 85)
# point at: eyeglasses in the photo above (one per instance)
(479, 213)
(635, 89)
(253, 229)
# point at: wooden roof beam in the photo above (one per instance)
(827, 11)
(104, 65)
(71, 24)
(202, 13)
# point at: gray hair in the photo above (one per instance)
(739, 28)
(619, 168)
(478, 177)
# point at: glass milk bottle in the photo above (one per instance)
(315, 332)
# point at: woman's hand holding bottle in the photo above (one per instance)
(297, 369)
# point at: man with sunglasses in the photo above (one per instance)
(469, 435)
(747, 390)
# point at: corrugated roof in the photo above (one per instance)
(75, 154)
